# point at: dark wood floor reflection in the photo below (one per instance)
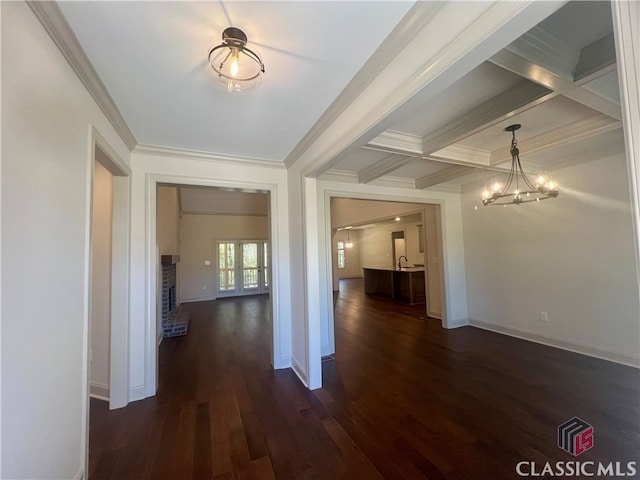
(403, 399)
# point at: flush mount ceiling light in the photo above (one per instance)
(236, 67)
(518, 188)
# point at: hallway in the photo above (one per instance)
(404, 399)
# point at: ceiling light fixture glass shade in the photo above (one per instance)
(349, 243)
(236, 67)
(518, 188)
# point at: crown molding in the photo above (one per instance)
(596, 59)
(397, 142)
(417, 18)
(461, 154)
(58, 28)
(186, 154)
(546, 50)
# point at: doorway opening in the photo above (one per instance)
(211, 243)
(387, 233)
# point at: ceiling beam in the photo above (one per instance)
(445, 175)
(552, 81)
(397, 142)
(383, 167)
(517, 99)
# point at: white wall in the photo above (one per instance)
(572, 257)
(376, 251)
(168, 219)
(199, 234)
(353, 267)
(101, 281)
(150, 168)
(46, 175)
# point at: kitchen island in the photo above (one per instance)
(404, 285)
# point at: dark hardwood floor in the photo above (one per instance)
(403, 399)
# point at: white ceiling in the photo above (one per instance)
(558, 80)
(152, 57)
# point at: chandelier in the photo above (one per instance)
(236, 67)
(518, 188)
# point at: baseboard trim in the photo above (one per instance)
(326, 350)
(300, 371)
(285, 362)
(137, 393)
(80, 474)
(198, 299)
(457, 323)
(590, 350)
(99, 391)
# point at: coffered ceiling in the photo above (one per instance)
(558, 80)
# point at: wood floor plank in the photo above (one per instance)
(403, 398)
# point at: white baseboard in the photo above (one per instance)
(590, 350)
(197, 299)
(99, 391)
(326, 350)
(80, 474)
(285, 362)
(160, 338)
(457, 323)
(300, 371)
(137, 393)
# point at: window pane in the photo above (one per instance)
(249, 265)
(340, 245)
(340, 258)
(226, 262)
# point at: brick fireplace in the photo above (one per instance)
(175, 321)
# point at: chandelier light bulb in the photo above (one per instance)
(233, 68)
(518, 188)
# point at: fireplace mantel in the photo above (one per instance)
(169, 259)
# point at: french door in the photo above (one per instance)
(243, 267)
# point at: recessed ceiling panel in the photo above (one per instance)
(555, 113)
(481, 84)
(152, 57)
(579, 24)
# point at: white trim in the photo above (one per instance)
(99, 391)
(416, 19)
(626, 18)
(137, 393)
(585, 349)
(457, 323)
(478, 34)
(198, 299)
(80, 474)
(300, 371)
(397, 142)
(183, 153)
(151, 182)
(58, 28)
